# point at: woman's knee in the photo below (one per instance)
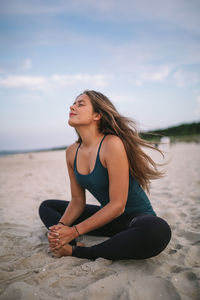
(160, 236)
(43, 206)
(155, 234)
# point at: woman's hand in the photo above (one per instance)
(53, 236)
(60, 235)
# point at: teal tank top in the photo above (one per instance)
(97, 183)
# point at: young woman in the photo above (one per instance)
(108, 160)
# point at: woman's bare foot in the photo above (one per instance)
(65, 250)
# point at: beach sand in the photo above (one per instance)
(28, 271)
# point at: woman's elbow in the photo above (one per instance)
(78, 201)
(119, 210)
(122, 210)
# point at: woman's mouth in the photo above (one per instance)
(71, 114)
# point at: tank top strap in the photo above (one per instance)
(101, 144)
(76, 155)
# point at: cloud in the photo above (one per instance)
(182, 13)
(140, 74)
(98, 79)
(53, 82)
(49, 7)
(156, 60)
(14, 65)
(19, 81)
(121, 99)
(27, 64)
(185, 78)
(152, 74)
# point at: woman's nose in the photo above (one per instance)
(72, 107)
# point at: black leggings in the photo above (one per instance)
(132, 236)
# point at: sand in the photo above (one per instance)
(28, 271)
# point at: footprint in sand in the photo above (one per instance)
(187, 284)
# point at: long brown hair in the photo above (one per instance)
(142, 167)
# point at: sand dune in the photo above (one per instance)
(28, 271)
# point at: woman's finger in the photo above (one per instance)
(54, 241)
(53, 234)
(55, 227)
(52, 227)
(51, 238)
(55, 247)
(52, 247)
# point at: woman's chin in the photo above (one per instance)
(71, 123)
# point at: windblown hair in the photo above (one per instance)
(141, 166)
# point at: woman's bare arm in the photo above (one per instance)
(77, 203)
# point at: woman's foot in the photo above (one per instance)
(65, 250)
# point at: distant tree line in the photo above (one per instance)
(180, 130)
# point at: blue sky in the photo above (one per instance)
(144, 55)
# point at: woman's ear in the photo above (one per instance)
(97, 116)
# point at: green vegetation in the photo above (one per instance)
(181, 133)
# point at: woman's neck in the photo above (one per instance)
(89, 137)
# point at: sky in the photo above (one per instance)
(143, 55)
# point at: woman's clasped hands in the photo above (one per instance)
(60, 235)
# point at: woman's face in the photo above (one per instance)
(81, 112)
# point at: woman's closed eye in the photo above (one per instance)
(79, 103)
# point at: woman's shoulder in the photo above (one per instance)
(71, 152)
(113, 142)
(112, 145)
(113, 150)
